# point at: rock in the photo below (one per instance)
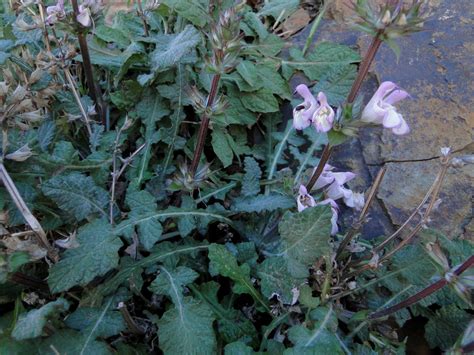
(435, 67)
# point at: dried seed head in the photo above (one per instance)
(21, 154)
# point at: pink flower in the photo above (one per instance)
(334, 210)
(323, 117)
(302, 114)
(55, 12)
(304, 200)
(334, 183)
(380, 109)
(84, 16)
(328, 177)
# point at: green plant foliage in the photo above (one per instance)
(111, 242)
(30, 325)
(96, 254)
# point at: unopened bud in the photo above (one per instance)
(402, 20)
(387, 18)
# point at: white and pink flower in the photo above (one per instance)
(380, 109)
(313, 111)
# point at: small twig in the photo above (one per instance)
(25, 211)
(424, 220)
(201, 139)
(129, 320)
(355, 228)
(28, 281)
(143, 17)
(78, 99)
(314, 27)
(319, 170)
(423, 293)
(94, 89)
(116, 175)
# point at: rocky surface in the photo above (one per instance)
(436, 68)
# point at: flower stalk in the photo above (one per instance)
(364, 66)
(94, 90)
(423, 293)
(320, 168)
(202, 134)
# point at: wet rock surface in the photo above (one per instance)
(436, 68)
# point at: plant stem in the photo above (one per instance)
(201, 139)
(142, 16)
(314, 27)
(94, 90)
(127, 317)
(355, 228)
(319, 170)
(364, 66)
(423, 293)
(327, 281)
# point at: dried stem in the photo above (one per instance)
(201, 139)
(364, 66)
(94, 90)
(355, 228)
(433, 195)
(28, 281)
(319, 170)
(141, 13)
(45, 29)
(78, 99)
(25, 211)
(423, 293)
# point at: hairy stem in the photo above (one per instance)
(327, 281)
(423, 293)
(201, 139)
(364, 67)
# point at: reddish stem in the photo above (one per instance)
(364, 67)
(423, 293)
(201, 139)
(319, 170)
(94, 90)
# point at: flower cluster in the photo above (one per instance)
(380, 109)
(390, 18)
(86, 10)
(313, 111)
(334, 190)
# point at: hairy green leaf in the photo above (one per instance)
(446, 326)
(77, 194)
(97, 253)
(30, 325)
(262, 203)
(221, 147)
(251, 180)
(306, 235)
(171, 283)
(187, 329)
